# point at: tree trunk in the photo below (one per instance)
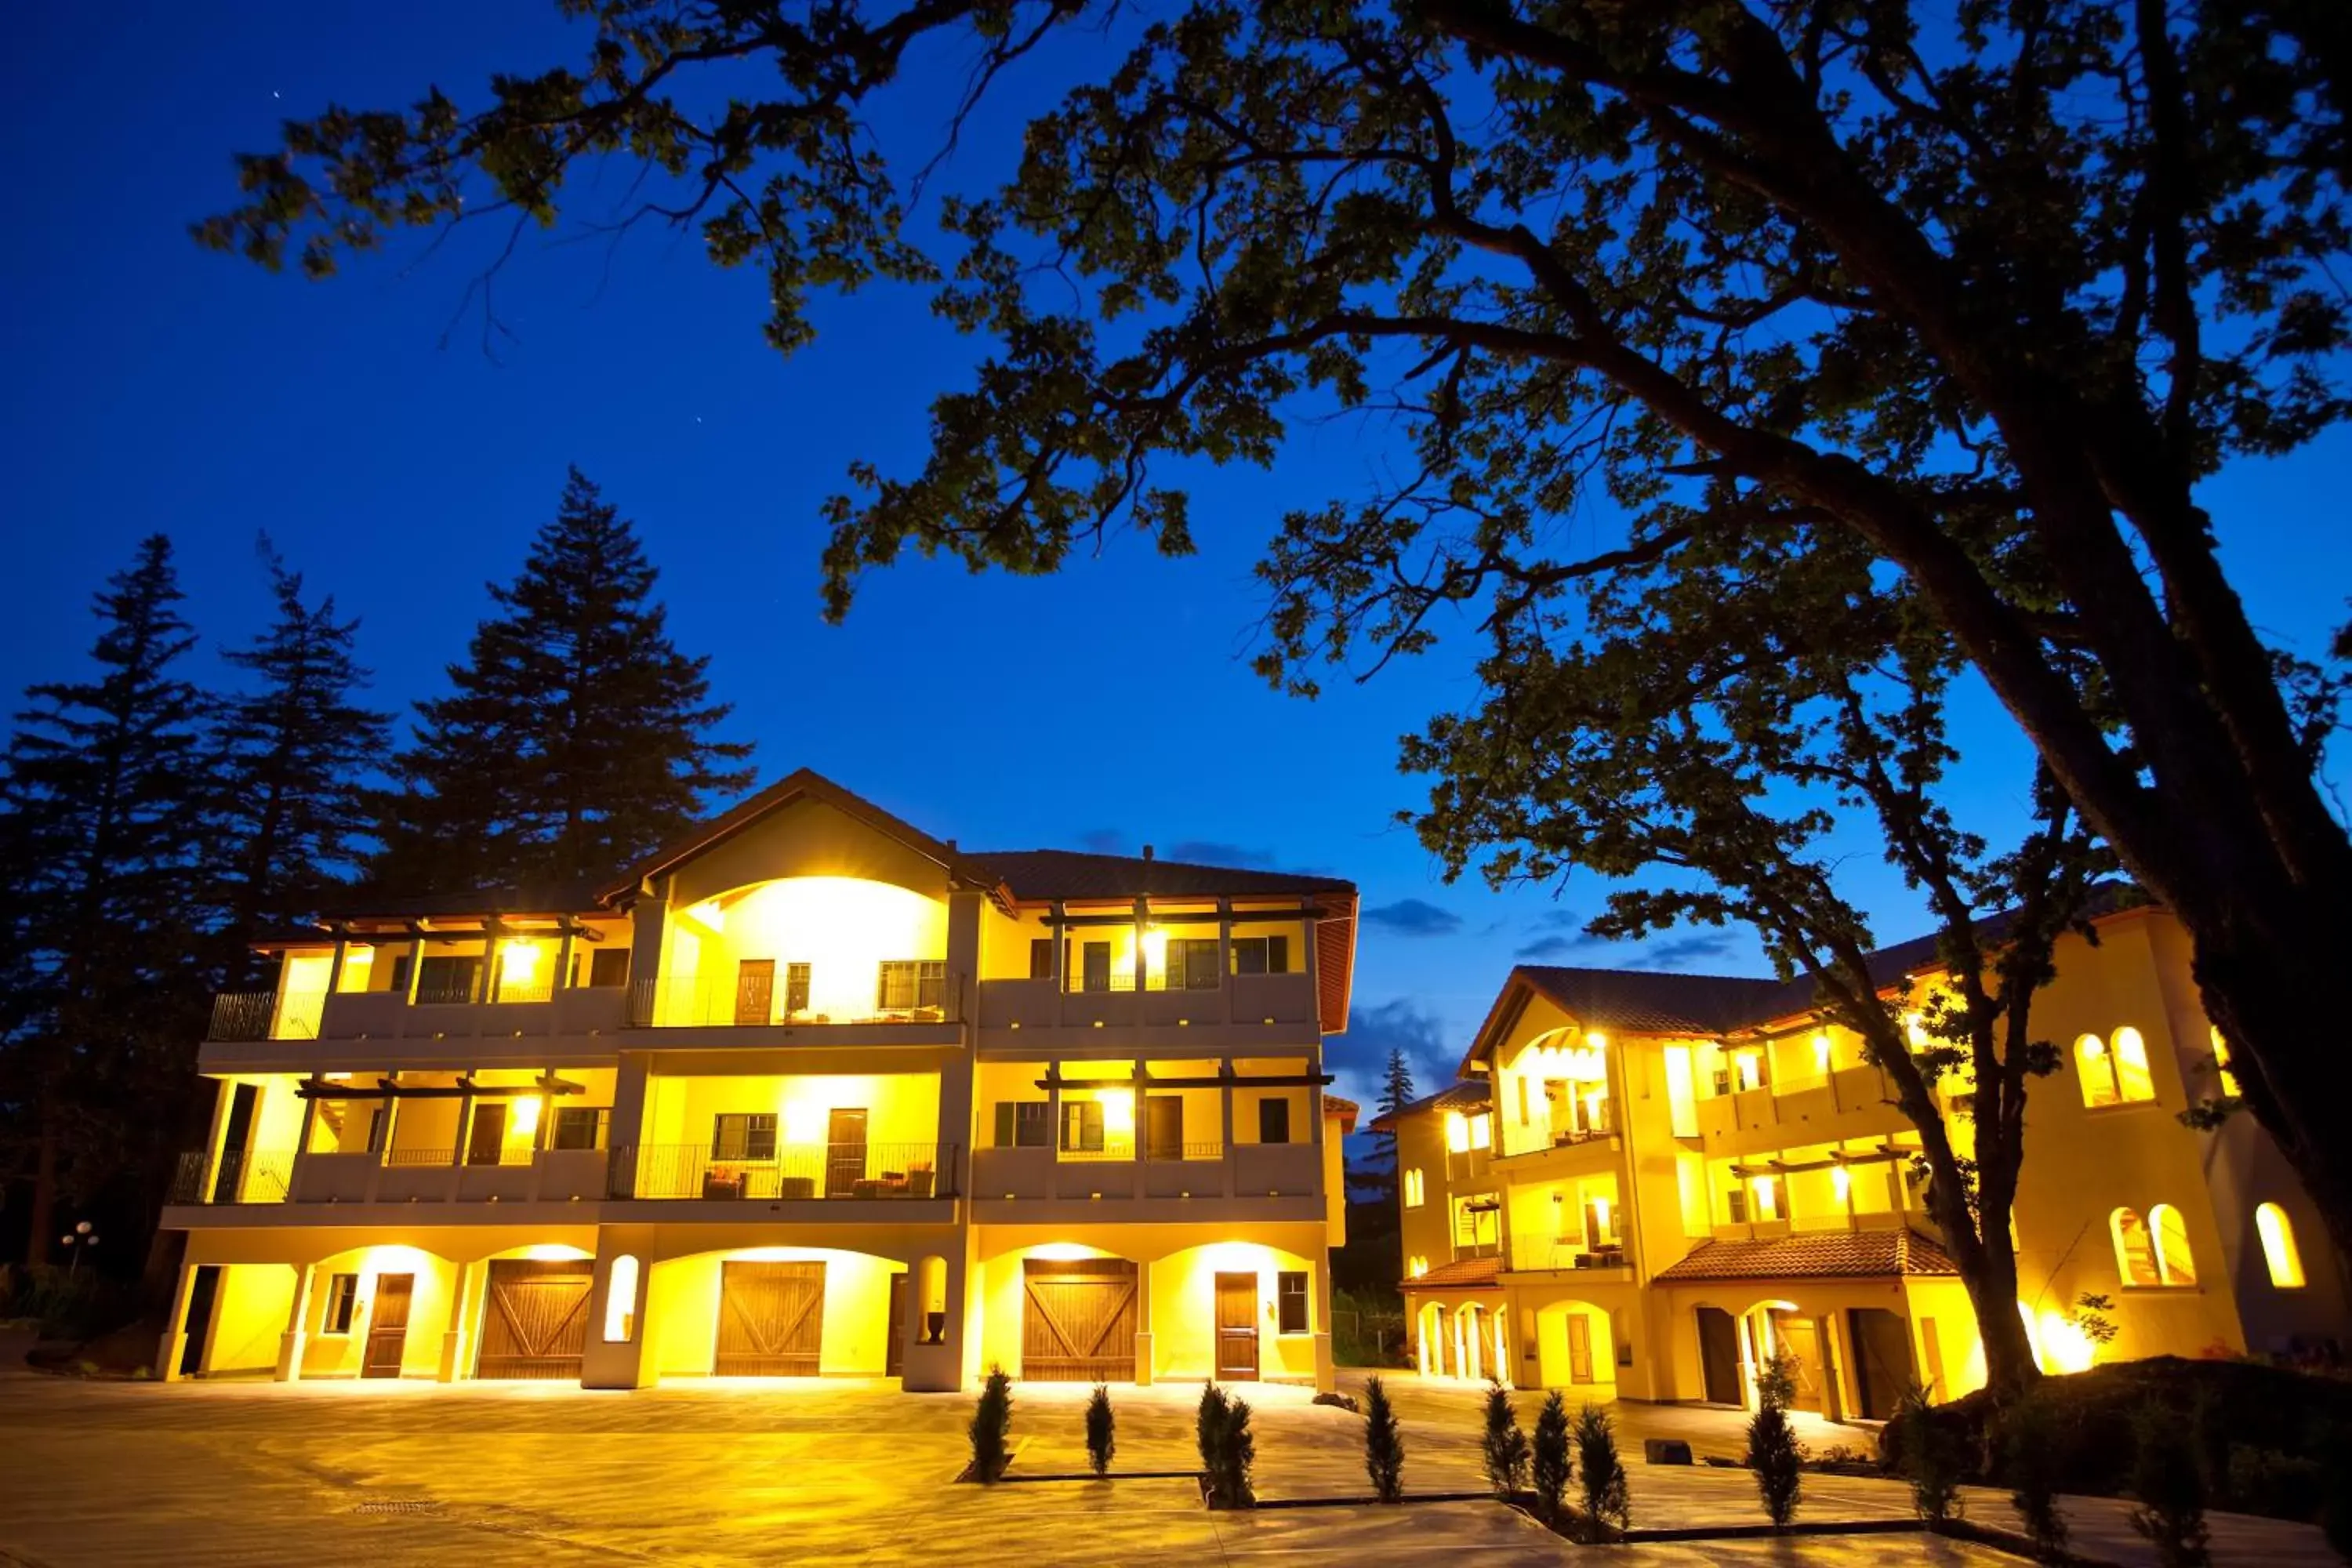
(2010, 1366)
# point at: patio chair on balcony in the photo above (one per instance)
(724, 1183)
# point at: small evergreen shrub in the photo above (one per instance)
(2029, 1443)
(1228, 1451)
(1505, 1444)
(1932, 1461)
(1383, 1445)
(1551, 1459)
(1607, 1503)
(1209, 1423)
(2170, 1486)
(1773, 1452)
(1101, 1425)
(992, 1423)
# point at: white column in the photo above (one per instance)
(562, 976)
(1461, 1359)
(1502, 1346)
(1226, 1106)
(1319, 1318)
(290, 1343)
(1146, 1339)
(454, 1335)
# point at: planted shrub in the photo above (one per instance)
(2170, 1486)
(1383, 1445)
(2029, 1444)
(1209, 1423)
(1773, 1452)
(1505, 1444)
(1607, 1503)
(1551, 1459)
(992, 1423)
(1101, 1424)
(1221, 1430)
(1932, 1461)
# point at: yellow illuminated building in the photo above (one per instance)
(1646, 1183)
(807, 1093)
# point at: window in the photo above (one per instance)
(2278, 1246)
(1022, 1123)
(608, 966)
(343, 1304)
(580, 1126)
(1477, 1221)
(1094, 958)
(2097, 1070)
(2221, 1068)
(736, 1136)
(1082, 1126)
(449, 979)
(2132, 1080)
(2135, 1259)
(1261, 956)
(621, 1301)
(399, 981)
(1735, 1206)
(378, 1124)
(2173, 1266)
(1192, 963)
(2114, 1073)
(796, 990)
(1274, 1120)
(1416, 1191)
(1290, 1302)
(1041, 958)
(1417, 1267)
(1482, 1132)
(1164, 1126)
(911, 983)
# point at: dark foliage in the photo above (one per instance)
(992, 1425)
(1551, 1460)
(1383, 1444)
(2029, 1432)
(1503, 1446)
(1933, 1465)
(2168, 1481)
(1101, 1430)
(1608, 1502)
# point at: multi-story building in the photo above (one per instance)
(807, 1091)
(1647, 1184)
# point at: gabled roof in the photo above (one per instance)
(804, 783)
(1468, 1094)
(1818, 1255)
(1652, 1002)
(1347, 1111)
(1462, 1274)
(1039, 876)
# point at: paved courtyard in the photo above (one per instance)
(832, 1472)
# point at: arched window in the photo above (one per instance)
(2132, 1080)
(2277, 1232)
(2173, 1265)
(2135, 1257)
(1416, 1188)
(2097, 1070)
(2221, 1062)
(621, 1301)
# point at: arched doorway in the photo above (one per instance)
(1576, 1349)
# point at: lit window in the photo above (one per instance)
(2172, 1262)
(2221, 1062)
(621, 1301)
(1820, 1053)
(343, 1299)
(2097, 1070)
(2278, 1246)
(1482, 1133)
(2135, 1259)
(2132, 1080)
(1418, 1266)
(1767, 1207)
(1457, 1133)
(1416, 1190)
(1290, 1302)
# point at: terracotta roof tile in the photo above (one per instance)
(1821, 1255)
(1035, 875)
(1462, 1274)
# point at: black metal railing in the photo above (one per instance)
(719, 1002)
(237, 1176)
(1112, 1147)
(407, 1158)
(242, 1016)
(691, 1171)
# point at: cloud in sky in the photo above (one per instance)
(1211, 852)
(1545, 948)
(1103, 841)
(1684, 951)
(1413, 917)
(1359, 1058)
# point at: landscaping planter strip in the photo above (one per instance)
(1368, 1500)
(1765, 1531)
(1008, 1479)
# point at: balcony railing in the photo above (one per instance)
(724, 1003)
(235, 1178)
(253, 1015)
(1110, 1149)
(1518, 1140)
(791, 1171)
(1528, 1251)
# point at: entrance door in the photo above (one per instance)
(893, 1357)
(844, 1153)
(1882, 1360)
(198, 1324)
(1718, 1355)
(1163, 1127)
(486, 1139)
(1579, 1348)
(755, 990)
(771, 1319)
(1237, 1326)
(535, 1318)
(235, 1135)
(388, 1325)
(1078, 1320)
(1801, 1338)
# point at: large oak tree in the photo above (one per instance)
(1988, 289)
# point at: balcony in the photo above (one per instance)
(397, 1176)
(927, 995)
(1243, 1001)
(1534, 1252)
(1543, 1137)
(787, 1173)
(1120, 1170)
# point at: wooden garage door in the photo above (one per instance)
(534, 1319)
(1078, 1320)
(771, 1319)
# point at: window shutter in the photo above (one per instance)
(1004, 1115)
(1278, 956)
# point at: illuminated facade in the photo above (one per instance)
(1646, 1183)
(809, 1092)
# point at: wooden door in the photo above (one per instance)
(844, 1153)
(1579, 1348)
(1164, 1126)
(1078, 1320)
(771, 1319)
(893, 1357)
(486, 1140)
(202, 1292)
(534, 1319)
(1801, 1340)
(1719, 1354)
(1882, 1360)
(1237, 1326)
(755, 990)
(387, 1336)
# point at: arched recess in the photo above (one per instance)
(771, 1312)
(2097, 1070)
(2134, 1082)
(382, 1311)
(1431, 1339)
(1468, 1340)
(2174, 1265)
(1576, 1349)
(2280, 1254)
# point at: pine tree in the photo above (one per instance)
(576, 738)
(102, 830)
(1376, 1178)
(288, 759)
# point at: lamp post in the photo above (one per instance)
(78, 1240)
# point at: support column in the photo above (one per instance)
(1226, 1106)
(335, 968)
(415, 965)
(174, 1342)
(290, 1343)
(310, 1119)
(562, 979)
(611, 1362)
(1145, 1340)
(1501, 1365)
(1327, 1377)
(1461, 1359)
(626, 1126)
(1420, 1340)
(456, 1335)
(939, 1368)
(1225, 959)
(464, 1128)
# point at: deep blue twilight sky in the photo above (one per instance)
(152, 386)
